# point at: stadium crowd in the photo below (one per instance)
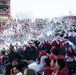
(41, 47)
(4, 8)
(4, 12)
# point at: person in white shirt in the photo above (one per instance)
(38, 67)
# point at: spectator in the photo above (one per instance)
(30, 51)
(13, 54)
(47, 68)
(37, 66)
(59, 68)
(55, 54)
(17, 70)
(70, 52)
(8, 69)
(5, 58)
(30, 72)
(52, 63)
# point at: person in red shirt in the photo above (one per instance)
(41, 53)
(55, 55)
(59, 68)
(47, 69)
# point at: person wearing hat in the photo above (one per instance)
(31, 51)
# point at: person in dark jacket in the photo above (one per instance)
(13, 54)
(31, 51)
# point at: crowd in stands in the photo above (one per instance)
(4, 8)
(44, 59)
(4, 12)
(40, 29)
(44, 53)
